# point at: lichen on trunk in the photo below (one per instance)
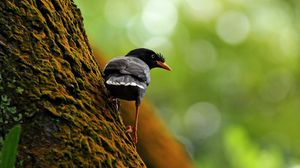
(51, 84)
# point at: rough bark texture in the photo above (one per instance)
(157, 147)
(50, 83)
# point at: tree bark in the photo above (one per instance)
(51, 84)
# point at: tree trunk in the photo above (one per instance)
(51, 84)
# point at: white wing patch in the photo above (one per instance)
(110, 82)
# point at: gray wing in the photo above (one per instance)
(128, 66)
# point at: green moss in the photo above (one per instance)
(12, 7)
(48, 106)
(80, 83)
(19, 90)
(5, 105)
(107, 146)
(84, 144)
(68, 117)
(109, 162)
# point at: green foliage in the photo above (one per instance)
(9, 149)
(5, 105)
(7, 110)
(242, 152)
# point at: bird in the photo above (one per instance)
(127, 78)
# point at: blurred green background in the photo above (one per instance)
(233, 97)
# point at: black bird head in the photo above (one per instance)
(151, 58)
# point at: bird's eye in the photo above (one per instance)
(152, 56)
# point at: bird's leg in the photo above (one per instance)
(133, 129)
(135, 137)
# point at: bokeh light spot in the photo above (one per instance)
(160, 17)
(203, 10)
(289, 42)
(122, 14)
(201, 56)
(277, 85)
(276, 12)
(233, 27)
(158, 43)
(202, 119)
(135, 32)
(295, 166)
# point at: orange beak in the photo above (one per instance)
(163, 65)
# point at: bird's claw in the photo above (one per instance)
(132, 130)
(129, 129)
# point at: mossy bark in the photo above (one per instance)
(51, 84)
